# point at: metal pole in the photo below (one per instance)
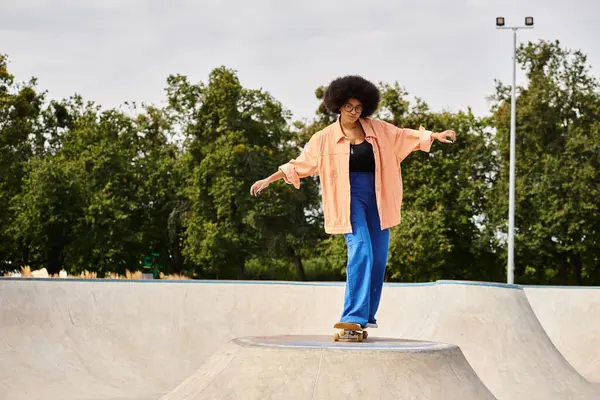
(510, 268)
(511, 195)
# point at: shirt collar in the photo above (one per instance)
(365, 122)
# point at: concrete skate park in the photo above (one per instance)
(118, 339)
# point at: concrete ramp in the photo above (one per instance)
(314, 367)
(502, 339)
(571, 318)
(133, 340)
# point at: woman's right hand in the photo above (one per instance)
(259, 186)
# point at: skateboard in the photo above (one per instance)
(349, 331)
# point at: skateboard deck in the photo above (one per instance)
(349, 331)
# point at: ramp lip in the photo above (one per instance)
(167, 281)
(479, 283)
(294, 283)
(204, 281)
(326, 342)
(560, 287)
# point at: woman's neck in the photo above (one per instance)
(349, 125)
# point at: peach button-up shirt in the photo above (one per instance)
(327, 154)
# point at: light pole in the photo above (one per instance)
(510, 269)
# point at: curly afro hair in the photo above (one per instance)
(352, 86)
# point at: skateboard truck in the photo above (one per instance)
(349, 331)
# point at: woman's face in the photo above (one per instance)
(351, 110)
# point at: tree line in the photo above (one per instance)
(104, 190)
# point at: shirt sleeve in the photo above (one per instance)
(405, 141)
(306, 164)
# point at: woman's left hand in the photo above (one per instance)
(444, 136)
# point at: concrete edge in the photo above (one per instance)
(294, 283)
(422, 346)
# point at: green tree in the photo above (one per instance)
(558, 167)
(445, 195)
(234, 136)
(99, 196)
(20, 127)
(47, 211)
(86, 188)
(290, 221)
(162, 204)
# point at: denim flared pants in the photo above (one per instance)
(367, 252)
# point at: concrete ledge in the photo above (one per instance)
(326, 342)
(315, 367)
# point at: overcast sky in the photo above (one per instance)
(447, 52)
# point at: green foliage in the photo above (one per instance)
(47, 211)
(558, 158)
(86, 188)
(20, 130)
(235, 137)
(445, 197)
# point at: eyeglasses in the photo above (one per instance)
(349, 108)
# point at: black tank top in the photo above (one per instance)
(362, 158)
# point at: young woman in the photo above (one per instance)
(358, 161)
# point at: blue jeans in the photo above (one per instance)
(367, 252)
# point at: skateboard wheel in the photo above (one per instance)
(336, 336)
(360, 337)
(365, 335)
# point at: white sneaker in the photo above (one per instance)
(370, 325)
